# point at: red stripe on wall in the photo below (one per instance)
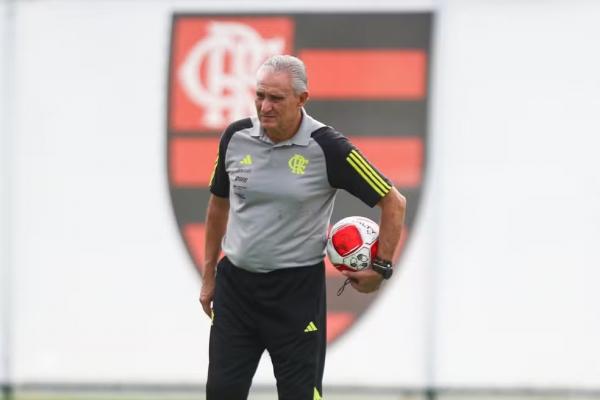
(338, 322)
(366, 74)
(194, 235)
(400, 159)
(192, 161)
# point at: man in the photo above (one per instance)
(273, 189)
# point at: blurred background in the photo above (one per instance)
(485, 113)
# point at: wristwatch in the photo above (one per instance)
(383, 267)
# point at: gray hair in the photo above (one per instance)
(293, 66)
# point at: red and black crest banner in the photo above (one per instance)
(368, 78)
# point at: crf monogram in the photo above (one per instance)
(219, 71)
(297, 164)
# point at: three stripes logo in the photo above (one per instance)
(371, 84)
(311, 327)
(247, 160)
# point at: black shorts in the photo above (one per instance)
(282, 312)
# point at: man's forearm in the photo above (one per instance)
(393, 209)
(216, 224)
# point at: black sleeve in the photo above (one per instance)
(348, 169)
(219, 181)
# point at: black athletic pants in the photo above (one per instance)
(281, 311)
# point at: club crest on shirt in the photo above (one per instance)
(297, 164)
(370, 84)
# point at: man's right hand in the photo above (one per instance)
(206, 294)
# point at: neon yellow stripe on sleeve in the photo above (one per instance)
(365, 177)
(374, 179)
(384, 185)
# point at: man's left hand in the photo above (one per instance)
(365, 281)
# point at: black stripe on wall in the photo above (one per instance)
(190, 204)
(371, 118)
(363, 30)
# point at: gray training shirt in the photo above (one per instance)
(281, 195)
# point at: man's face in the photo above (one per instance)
(277, 106)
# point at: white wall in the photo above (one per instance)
(104, 289)
(5, 137)
(496, 286)
(517, 136)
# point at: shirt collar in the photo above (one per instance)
(302, 136)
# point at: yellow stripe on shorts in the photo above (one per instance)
(317, 395)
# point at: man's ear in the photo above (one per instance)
(303, 98)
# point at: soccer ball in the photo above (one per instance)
(352, 243)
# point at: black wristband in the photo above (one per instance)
(383, 267)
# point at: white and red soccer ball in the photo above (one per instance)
(352, 243)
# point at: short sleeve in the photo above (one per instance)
(349, 169)
(219, 181)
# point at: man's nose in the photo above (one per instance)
(266, 105)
